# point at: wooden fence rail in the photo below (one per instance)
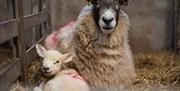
(20, 26)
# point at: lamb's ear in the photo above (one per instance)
(67, 57)
(90, 2)
(123, 2)
(41, 50)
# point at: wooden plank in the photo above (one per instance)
(21, 40)
(48, 8)
(35, 19)
(8, 30)
(6, 10)
(8, 75)
(27, 7)
(32, 26)
(35, 1)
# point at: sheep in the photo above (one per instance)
(64, 80)
(100, 41)
(52, 40)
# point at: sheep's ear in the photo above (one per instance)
(67, 57)
(41, 50)
(123, 2)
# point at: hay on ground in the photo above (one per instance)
(154, 70)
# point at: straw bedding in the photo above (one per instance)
(158, 71)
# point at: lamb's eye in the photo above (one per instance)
(56, 62)
(97, 6)
(117, 7)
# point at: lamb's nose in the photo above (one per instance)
(107, 20)
(45, 68)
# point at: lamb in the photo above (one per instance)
(64, 80)
(100, 42)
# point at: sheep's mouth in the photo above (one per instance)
(107, 28)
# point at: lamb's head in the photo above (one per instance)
(106, 13)
(52, 60)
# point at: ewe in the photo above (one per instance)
(64, 80)
(100, 42)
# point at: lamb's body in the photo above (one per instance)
(63, 81)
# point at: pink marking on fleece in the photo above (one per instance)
(55, 38)
(52, 40)
(75, 76)
(68, 26)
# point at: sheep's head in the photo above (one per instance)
(106, 13)
(53, 60)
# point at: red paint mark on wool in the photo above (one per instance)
(53, 39)
(75, 76)
(68, 26)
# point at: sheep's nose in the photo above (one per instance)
(107, 20)
(45, 68)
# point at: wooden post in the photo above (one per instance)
(48, 8)
(177, 24)
(21, 40)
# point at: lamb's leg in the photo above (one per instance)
(40, 87)
(37, 89)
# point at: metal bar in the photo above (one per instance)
(21, 40)
(40, 41)
(31, 52)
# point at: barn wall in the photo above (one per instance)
(151, 21)
(151, 24)
(64, 11)
(6, 10)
